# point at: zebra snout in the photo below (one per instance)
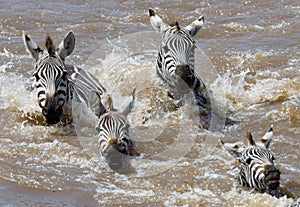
(51, 115)
(186, 74)
(272, 177)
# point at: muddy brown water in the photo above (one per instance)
(248, 55)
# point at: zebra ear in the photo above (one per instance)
(195, 26)
(66, 47)
(128, 109)
(31, 46)
(267, 138)
(156, 22)
(108, 103)
(250, 138)
(233, 148)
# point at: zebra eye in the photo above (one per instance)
(248, 161)
(273, 158)
(37, 78)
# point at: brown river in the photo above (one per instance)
(248, 54)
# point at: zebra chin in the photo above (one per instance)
(115, 159)
(52, 116)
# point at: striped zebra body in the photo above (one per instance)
(113, 135)
(57, 83)
(176, 59)
(256, 164)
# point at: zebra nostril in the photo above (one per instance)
(44, 112)
(270, 169)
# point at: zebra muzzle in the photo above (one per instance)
(272, 177)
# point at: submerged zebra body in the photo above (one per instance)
(176, 58)
(57, 83)
(256, 164)
(113, 136)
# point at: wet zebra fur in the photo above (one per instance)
(57, 83)
(256, 164)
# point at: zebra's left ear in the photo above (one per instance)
(267, 138)
(66, 47)
(195, 26)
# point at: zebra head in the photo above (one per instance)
(50, 74)
(256, 163)
(113, 134)
(177, 50)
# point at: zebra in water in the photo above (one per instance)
(175, 61)
(57, 83)
(113, 136)
(256, 164)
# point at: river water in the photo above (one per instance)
(247, 54)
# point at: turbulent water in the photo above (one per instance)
(247, 54)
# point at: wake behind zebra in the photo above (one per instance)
(58, 84)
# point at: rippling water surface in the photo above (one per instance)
(248, 55)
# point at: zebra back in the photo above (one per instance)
(85, 88)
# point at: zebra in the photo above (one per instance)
(256, 164)
(175, 59)
(57, 83)
(113, 136)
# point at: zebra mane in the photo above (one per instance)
(50, 46)
(176, 24)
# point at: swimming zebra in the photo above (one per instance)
(113, 135)
(256, 164)
(175, 61)
(57, 83)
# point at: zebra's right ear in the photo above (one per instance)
(31, 46)
(67, 46)
(128, 109)
(156, 22)
(233, 148)
(267, 138)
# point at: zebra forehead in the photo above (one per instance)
(258, 153)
